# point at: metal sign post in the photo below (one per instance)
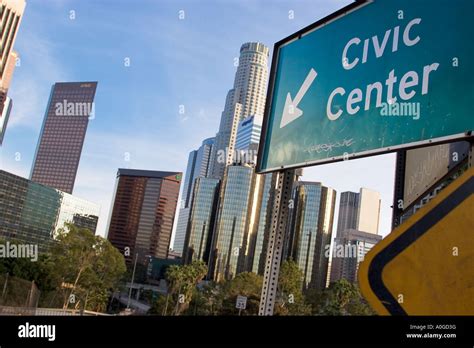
(276, 240)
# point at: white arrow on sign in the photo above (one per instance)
(291, 111)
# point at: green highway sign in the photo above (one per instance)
(375, 77)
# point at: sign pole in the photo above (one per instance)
(276, 240)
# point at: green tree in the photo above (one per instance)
(341, 298)
(182, 281)
(244, 284)
(88, 267)
(207, 300)
(158, 305)
(290, 299)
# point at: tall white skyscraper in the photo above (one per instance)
(369, 211)
(357, 231)
(246, 98)
(198, 166)
(359, 211)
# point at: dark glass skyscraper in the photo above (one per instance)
(259, 239)
(64, 127)
(201, 219)
(348, 211)
(143, 212)
(237, 222)
(312, 230)
(198, 167)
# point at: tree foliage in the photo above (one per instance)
(80, 267)
(182, 280)
(341, 298)
(290, 299)
(88, 267)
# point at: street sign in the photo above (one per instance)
(241, 302)
(375, 77)
(426, 166)
(425, 266)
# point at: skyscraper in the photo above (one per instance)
(311, 231)
(246, 98)
(7, 77)
(348, 252)
(259, 239)
(359, 211)
(6, 107)
(357, 228)
(248, 132)
(237, 221)
(348, 212)
(6, 102)
(143, 212)
(198, 167)
(62, 135)
(201, 219)
(369, 211)
(11, 13)
(33, 213)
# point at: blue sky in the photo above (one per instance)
(173, 62)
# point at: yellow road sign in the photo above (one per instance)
(426, 265)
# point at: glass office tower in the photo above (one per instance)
(201, 220)
(143, 212)
(260, 238)
(198, 166)
(311, 231)
(237, 219)
(350, 249)
(32, 213)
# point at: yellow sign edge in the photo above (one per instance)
(363, 273)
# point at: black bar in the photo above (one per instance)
(289, 331)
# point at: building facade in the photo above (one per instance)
(246, 98)
(248, 132)
(348, 252)
(259, 240)
(33, 213)
(5, 85)
(143, 212)
(59, 148)
(6, 75)
(369, 211)
(197, 167)
(11, 13)
(348, 212)
(6, 106)
(311, 231)
(359, 211)
(237, 221)
(201, 221)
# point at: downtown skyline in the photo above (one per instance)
(139, 120)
